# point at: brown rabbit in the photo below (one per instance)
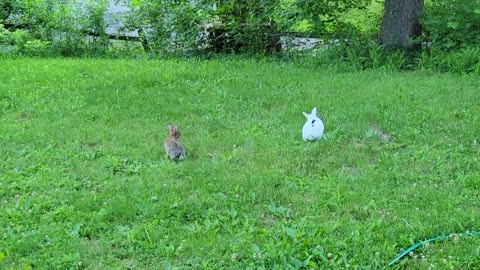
(173, 148)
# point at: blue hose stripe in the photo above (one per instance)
(419, 244)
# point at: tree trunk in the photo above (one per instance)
(400, 25)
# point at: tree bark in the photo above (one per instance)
(400, 24)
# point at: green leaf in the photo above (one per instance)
(370, 133)
(255, 248)
(296, 262)
(291, 232)
(452, 25)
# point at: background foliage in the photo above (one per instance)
(451, 25)
(47, 27)
(347, 31)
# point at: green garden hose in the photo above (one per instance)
(419, 244)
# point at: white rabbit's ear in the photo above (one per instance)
(314, 112)
(306, 115)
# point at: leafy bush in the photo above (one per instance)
(168, 25)
(36, 47)
(186, 26)
(6, 47)
(6, 7)
(361, 55)
(451, 25)
(250, 25)
(58, 27)
(363, 21)
(5, 35)
(234, 26)
(326, 15)
(94, 23)
(452, 35)
(465, 60)
(21, 42)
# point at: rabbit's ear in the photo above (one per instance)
(314, 112)
(170, 127)
(306, 115)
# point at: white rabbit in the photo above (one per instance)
(313, 128)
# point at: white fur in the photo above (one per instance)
(313, 128)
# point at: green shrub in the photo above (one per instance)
(93, 23)
(21, 42)
(36, 47)
(70, 27)
(7, 8)
(5, 35)
(250, 25)
(365, 21)
(6, 47)
(450, 25)
(465, 60)
(363, 54)
(190, 27)
(235, 26)
(168, 25)
(55, 27)
(20, 37)
(328, 17)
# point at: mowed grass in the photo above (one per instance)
(85, 184)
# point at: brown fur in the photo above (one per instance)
(173, 148)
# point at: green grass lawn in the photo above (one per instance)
(85, 184)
